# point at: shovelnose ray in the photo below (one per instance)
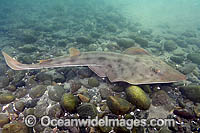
(135, 66)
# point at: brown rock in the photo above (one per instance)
(83, 98)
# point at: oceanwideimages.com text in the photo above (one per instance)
(95, 122)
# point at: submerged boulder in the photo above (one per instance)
(20, 106)
(55, 93)
(37, 91)
(170, 45)
(189, 34)
(111, 27)
(6, 98)
(125, 42)
(118, 105)
(84, 39)
(15, 127)
(4, 119)
(192, 92)
(177, 59)
(26, 59)
(4, 81)
(68, 102)
(42, 76)
(141, 41)
(160, 98)
(105, 92)
(86, 110)
(179, 52)
(27, 36)
(28, 48)
(194, 57)
(138, 97)
(93, 82)
(188, 68)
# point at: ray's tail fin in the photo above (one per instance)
(12, 63)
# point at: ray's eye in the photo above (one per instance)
(155, 70)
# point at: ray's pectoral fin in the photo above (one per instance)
(113, 76)
(99, 70)
(105, 71)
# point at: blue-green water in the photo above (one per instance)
(95, 15)
(48, 22)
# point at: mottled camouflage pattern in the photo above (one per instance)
(135, 69)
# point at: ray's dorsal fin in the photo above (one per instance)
(136, 51)
(74, 52)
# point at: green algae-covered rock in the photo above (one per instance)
(194, 57)
(15, 127)
(3, 119)
(121, 129)
(177, 59)
(187, 68)
(118, 105)
(117, 88)
(68, 102)
(55, 111)
(19, 75)
(138, 97)
(55, 93)
(170, 45)
(189, 34)
(21, 92)
(28, 48)
(95, 34)
(192, 92)
(105, 129)
(6, 98)
(58, 78)
(141, 41)
(27, 36)
(93, 82)
(146, 88)
(165, 130)
(43, 76)
(111, 27)
(182, 43)
(125, 42)
(19, 106)
(3, 68)
(37, 91)
(29, 111)
(26, 59)
(179, 52)
(38, 128)
(87, 109)
(84, 39)
(4, 81)
(40, 110)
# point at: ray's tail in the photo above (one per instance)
(15, 65)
